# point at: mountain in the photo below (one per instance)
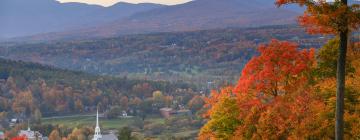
(194, 15)
(28, 17)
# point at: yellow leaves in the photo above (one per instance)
(223, 116)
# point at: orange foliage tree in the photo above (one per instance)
(274, 95)
(272, 100)
(19, 138)
(332, 18)
(278, 70)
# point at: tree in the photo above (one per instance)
(114, 112)
(223, 115)
(19, 138)
(196, 103)
(327, 60)
(24, 102)
(278, 70)
(37, 116)
(79, 105)
(54, 135)
(158, 99)
(125, 133)
(124, 103)
(76, 134)
(135, 103)
(332, 18)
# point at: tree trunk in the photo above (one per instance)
(340, 89)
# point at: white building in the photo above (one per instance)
(31, 135)
(98, 135)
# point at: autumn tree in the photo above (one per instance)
(54, 135)
(135, 103)
(273, 99)
(24, 102)
(327, 89)
(196, 103)
(19, 138)
(223, 115)
(279, 69)
(76, 134)
(158, 99)
(332, 18)
(124, 103)
(79, 105)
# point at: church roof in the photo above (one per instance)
(109, 137)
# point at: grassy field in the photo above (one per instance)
(106, 124)
(74, 121)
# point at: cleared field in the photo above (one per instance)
(106, 124)
(74, 121)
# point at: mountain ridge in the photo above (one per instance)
(24, 17)
(190, 16)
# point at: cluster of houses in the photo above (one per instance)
(28, 133)
(36, 135)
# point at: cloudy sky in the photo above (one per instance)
(111, 2)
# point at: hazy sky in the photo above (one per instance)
(111, 2)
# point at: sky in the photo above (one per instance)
(111, 2)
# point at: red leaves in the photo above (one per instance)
(19, 138)
(279, 69)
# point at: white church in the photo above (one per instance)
(97, 134)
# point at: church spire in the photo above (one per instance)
(97, 118)
(97, 135)
(28, 126)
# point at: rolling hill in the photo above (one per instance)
(198, 55)
(28, 17)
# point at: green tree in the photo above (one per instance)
(125, 134)
(327, 60)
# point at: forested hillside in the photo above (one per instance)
(28, 88)
(198, 56)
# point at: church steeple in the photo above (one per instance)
(97, 118)
(97, 134)
(28, 129)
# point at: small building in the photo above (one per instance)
(31, 135)
(124, 114)
(166, 112)
(14, 121)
